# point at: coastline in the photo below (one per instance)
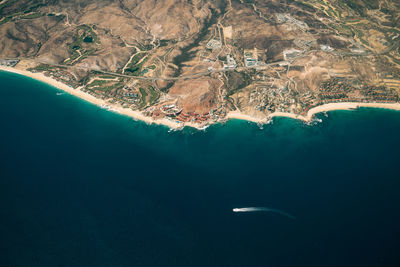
(312, 112)
(137, 115)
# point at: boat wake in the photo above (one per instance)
(264, 209)
(60, 93)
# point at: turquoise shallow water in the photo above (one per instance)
(80, 186)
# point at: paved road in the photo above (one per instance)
(157, 78)
(185, 77)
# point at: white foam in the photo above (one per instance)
(250, 209)
(263, 209)
(313, 122)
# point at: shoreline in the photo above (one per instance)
(137, 115)
(316, 110)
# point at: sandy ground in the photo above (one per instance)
(137, 115)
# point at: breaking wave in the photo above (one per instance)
(264, 209)
(313, 122)
(261, 124)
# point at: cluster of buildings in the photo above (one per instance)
(171, 110)
(176, 113)
(214, 44)
(326, 48)
(287, 18)
(193, 117)
(380, 93)
(250, 58)
(291, 54)
(63, 77)
(230, 62)
(271, 99)
(8, 62)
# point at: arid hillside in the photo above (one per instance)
(196, 60)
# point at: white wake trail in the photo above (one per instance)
(264, 209)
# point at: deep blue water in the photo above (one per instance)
(80, 186)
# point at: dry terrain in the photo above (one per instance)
(195, 61)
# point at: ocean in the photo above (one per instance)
(81, 186)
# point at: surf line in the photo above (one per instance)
(264, 209)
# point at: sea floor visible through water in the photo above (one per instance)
(80, 186)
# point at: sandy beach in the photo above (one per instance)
(137, 115)
(348, 106)
(99, 102)
(314, 111)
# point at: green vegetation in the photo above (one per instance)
(143, 95)
(145, 47)
(148, 96)
(107, 77)
(83, 40)
(87, 53)
(364, 42)
(5, 20)
(354, 5)
(222, 58)
(32, 7)
(136, 59)
(343, 29)
(116, 86)
(88, 39)
(7, 4)
(43, 67)
(396, 61)
(85, 79)
(105, 85)
(332, 12)
(163, 43)
(134, 66)
(154, 95)
(32, 16)
(361, 6)
(306, 6)
(371, 4)
(12, 8)
(97, 83)
(167, 87)
(359, 33)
